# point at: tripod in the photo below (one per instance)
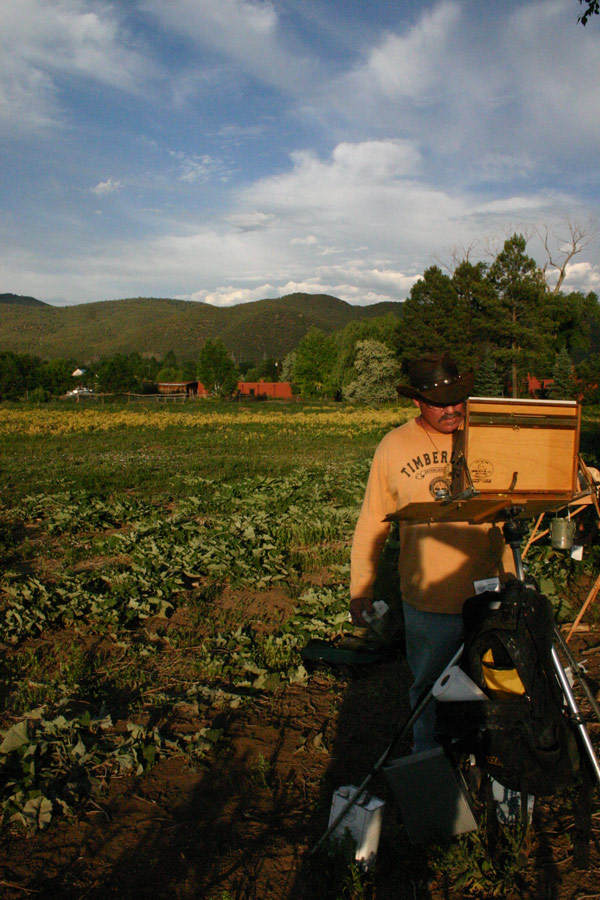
(513, 535)
(513, 531)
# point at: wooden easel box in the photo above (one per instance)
(525, 447)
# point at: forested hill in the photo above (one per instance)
(152, 326)
(21, 301)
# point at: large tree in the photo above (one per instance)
(377, 373)
(563, 378)
(313, 370)
(19, 373)
(517, 316)
(56, 376)
(447, 312)
(574, 317)
(216, 369)
(383, 329)
(434, 318)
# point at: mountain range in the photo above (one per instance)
(153, 326)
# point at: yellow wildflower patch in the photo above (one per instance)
(60, 422)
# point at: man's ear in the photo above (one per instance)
(416, 402)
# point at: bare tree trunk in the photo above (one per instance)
(579, 236)
(514, 373)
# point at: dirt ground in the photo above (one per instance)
(243, 826)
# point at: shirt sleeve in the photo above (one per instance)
(371, 531)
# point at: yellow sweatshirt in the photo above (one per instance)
(438, 563)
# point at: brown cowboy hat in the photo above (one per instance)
(435, 378)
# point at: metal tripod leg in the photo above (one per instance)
(402, 732)
(577, 671)
(575, 714)
(513, 536)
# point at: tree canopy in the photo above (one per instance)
(502, 312)
(216, 369)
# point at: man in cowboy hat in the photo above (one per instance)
(439, 563)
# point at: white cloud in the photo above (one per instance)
(582, 276)
(231, 296)
(110, 186)
(199, 168)
(246, 32)
(458, 125)
(361, 224)
(250, 221)
(412, 65)
(42, 43)
(309, 241)
(462, 81)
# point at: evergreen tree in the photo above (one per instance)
(573, 317)
(487, 381)
(517, 316)
(433, 318)
(563, 383)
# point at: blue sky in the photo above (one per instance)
(230, 150)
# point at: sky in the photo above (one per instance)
(226, 151)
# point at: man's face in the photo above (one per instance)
(443, 418)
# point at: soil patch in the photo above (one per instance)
(242, 826)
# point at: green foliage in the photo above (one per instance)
(334, 873)
(467, 865)
(436, 317)
(500, 316)
(118, 373)
(222, 532)
(18, 373)
(314, 363)
(56, 376)
(216, 369)
(574, 316)
(518, 316)
(267, 370)
(563, 383)
(287, 367)
(39, 395)
(377, 374)
(383, 329)
(487, 382)
(500, 313)
(588, 379)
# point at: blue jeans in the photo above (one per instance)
(432, 639)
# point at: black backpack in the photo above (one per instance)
(522, 735)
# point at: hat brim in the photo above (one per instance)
(448, 394)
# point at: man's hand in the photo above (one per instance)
(358, 606)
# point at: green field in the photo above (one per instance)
(120, 518)
(154, 559)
